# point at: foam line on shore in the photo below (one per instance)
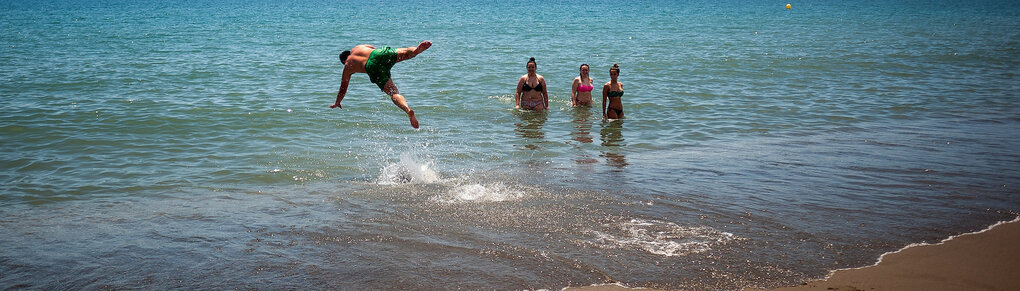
(913, 245)
(983, 259)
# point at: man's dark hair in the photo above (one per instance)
(343, 57)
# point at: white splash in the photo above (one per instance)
(408, 170)
(494, 192)
(661, 237)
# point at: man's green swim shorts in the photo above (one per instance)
(379, 64)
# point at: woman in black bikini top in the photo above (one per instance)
(613, 91)
(529, 88)
(531, 93)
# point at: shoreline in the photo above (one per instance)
(988, 259)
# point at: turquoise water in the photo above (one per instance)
(189, 144)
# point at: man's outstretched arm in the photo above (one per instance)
(344, 82)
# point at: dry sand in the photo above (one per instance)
(985, 260)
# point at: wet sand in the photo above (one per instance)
(984, 260)
(606, 287)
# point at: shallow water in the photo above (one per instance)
(162, 145)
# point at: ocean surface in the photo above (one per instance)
(189, 144)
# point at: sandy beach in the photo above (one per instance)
(984, 260)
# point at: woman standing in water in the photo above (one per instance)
(531, 90)
(613, 90)
(580, 91)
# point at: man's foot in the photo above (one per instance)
(414, 121)
(336, 105)
(423, 46)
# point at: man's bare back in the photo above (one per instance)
(359, 56)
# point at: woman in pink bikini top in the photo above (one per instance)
(580, 91)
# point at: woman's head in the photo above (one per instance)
(584, 69)
(614, 71)
(532, 65)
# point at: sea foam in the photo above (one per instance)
(492, 192)
(408, 170)
(660, 237)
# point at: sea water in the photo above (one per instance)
(188, 144)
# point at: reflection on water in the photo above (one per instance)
(530, 127)
(582, 125)
(612, 143)
(581, 133)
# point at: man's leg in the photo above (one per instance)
(410, 52)
(391, 89)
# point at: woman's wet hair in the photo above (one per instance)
(532, 61)
(616, 67)
(343, 57)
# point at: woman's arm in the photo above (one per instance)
(605, 95)
(517, 96)
(573, 91)
(545, 92)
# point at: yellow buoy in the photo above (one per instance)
(787, 6)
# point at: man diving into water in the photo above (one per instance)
(376, 63)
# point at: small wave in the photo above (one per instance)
(661, 237)
(506, 98)
(495, 192)
(408, 170)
